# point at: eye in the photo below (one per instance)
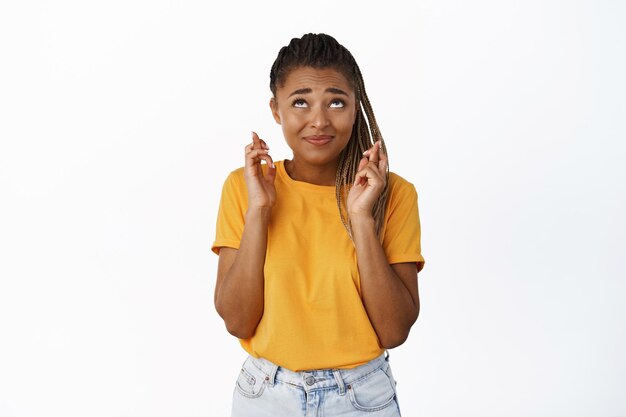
(337, 104)
(300, 103)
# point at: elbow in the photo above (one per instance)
(235, 325)
(391, 341)
(239, 328)
(239, 331)
(398, 336)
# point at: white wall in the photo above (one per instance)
(119, 121)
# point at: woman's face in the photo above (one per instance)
(316, 109)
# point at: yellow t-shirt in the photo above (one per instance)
(313, 315)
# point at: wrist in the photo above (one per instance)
(362, 221)
(258, 213)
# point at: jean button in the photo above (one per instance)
(309, 380)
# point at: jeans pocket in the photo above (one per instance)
(249, 383)
(373, 392)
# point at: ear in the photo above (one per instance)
(274, 107)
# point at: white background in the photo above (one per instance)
(119, 121)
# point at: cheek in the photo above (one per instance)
(347, 122)
(292, 120)
(292, 126)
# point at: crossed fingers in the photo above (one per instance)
(373, 166)
(258, 151)
(376, 155)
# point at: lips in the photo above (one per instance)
(318, 140)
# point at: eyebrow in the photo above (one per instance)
(333, 90)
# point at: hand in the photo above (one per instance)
(261, 190)
(369, 182)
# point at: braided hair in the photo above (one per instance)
(323, 51)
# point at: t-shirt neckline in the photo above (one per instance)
(282, 173)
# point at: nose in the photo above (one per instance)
(319, 118)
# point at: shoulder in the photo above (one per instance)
(235, 175)
(401, 195)
(234, 181)
(400, 186)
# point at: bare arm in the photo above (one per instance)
(239, 289)
(389, 292)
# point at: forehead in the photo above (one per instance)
(315, 78)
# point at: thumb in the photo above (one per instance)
(270, 174)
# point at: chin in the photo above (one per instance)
(321, 160)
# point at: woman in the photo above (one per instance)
(319, 254)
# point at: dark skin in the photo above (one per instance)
(317, 123)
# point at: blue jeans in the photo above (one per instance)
(264, 389)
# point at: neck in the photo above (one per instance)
(313, 174)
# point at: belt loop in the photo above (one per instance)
(272, 375)
(387, 355)
(339, 379)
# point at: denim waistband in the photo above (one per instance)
(318, 379)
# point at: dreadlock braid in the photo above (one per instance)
(323, 51)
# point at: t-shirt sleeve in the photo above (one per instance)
(231, 213)
(402, 233)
